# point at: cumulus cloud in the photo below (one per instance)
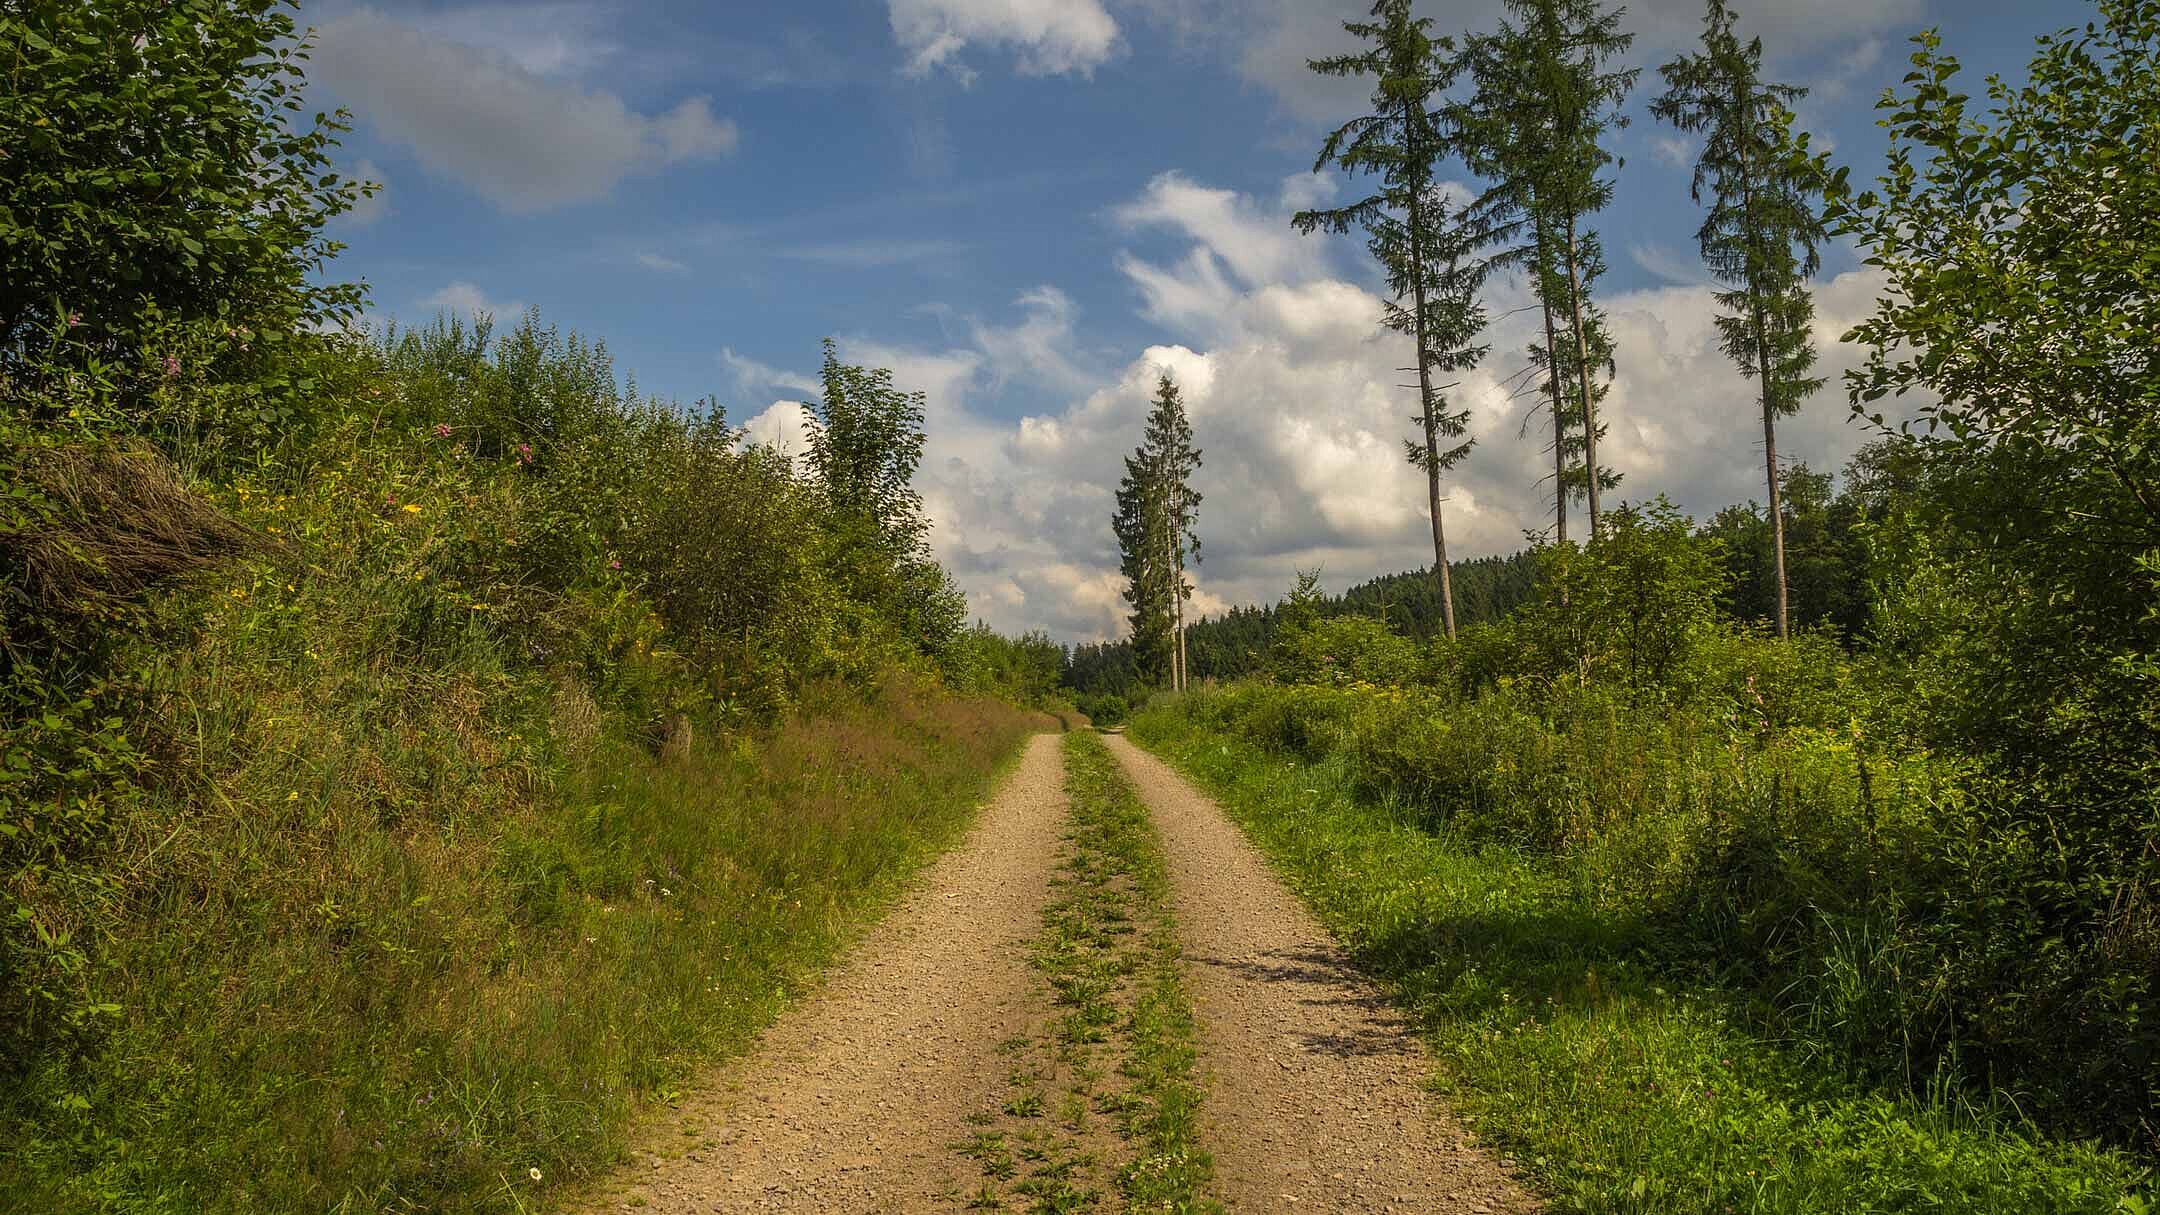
(1296, 398)
(467, 300)
(1045, 37)
(753, 377)
(503, 121)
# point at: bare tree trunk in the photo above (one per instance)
(1174, 570)
(1559, 426)
(1745, 109)
(1777, 505)
(1425, 402)
(1184, 675)
(1440, 561)
(1582, 377)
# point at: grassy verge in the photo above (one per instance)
(1106, 1094)
(430, 942)
(1619, 1090)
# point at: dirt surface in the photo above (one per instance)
(1316, 1098)
(853, 1099)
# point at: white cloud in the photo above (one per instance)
(1680, 269)
(1037, 346)
(463, 299)
(1296, 401)
(1674, 151)
(1258, 246)
(665, 265)
(563, 39)
(753, 377)
(1046, 37)
(499, 120)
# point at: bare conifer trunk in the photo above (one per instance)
(1559, 426)
(1582, 377)
(1777, 505)
(1425, 405)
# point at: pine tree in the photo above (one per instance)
(1157, 512)
(1429, 260)
(1762, 235)
(1545, 98)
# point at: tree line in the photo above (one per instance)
(1527, 111)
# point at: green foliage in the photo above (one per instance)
(866, 440)
(1630, 607)
(1025, 670)
(1241, 641)
(1548, 68)
(1154, 521)
(1762, 235)
(1619, 1081)
(162, 204)
(528, 694)
(1430, 261)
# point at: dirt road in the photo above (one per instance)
(1316, 1098)
(854, 1101)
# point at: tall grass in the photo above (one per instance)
(1622, 1083)
(532, 758)
(390, 961)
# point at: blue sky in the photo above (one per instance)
(1026, 207)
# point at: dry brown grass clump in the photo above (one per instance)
(125, 524)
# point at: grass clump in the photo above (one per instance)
(1619, 1084)
(1121, 1049)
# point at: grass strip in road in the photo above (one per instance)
(1106, 1098)
(1617, 1089)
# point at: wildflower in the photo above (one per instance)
(74, 319)
(442, 430)
(614, 564)
(412, 509)
(172, 366)
(524, 453)
(533, 1173)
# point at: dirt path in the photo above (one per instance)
(1315, 1087)
(853, 1099)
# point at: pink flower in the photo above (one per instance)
(524, 453)
(442, 430)
(614, 564)
(74, 319)
(172, 366)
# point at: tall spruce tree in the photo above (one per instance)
(1546, 95)
(1157, 514)
(1762, 234)
(1428, 257)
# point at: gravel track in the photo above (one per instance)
(1316, 1097)
(853, 1098)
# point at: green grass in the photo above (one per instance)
(416, 944)
(1618, 1090)
(1109, 954)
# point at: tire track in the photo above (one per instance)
(852, 1099)
(1316, 1097)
